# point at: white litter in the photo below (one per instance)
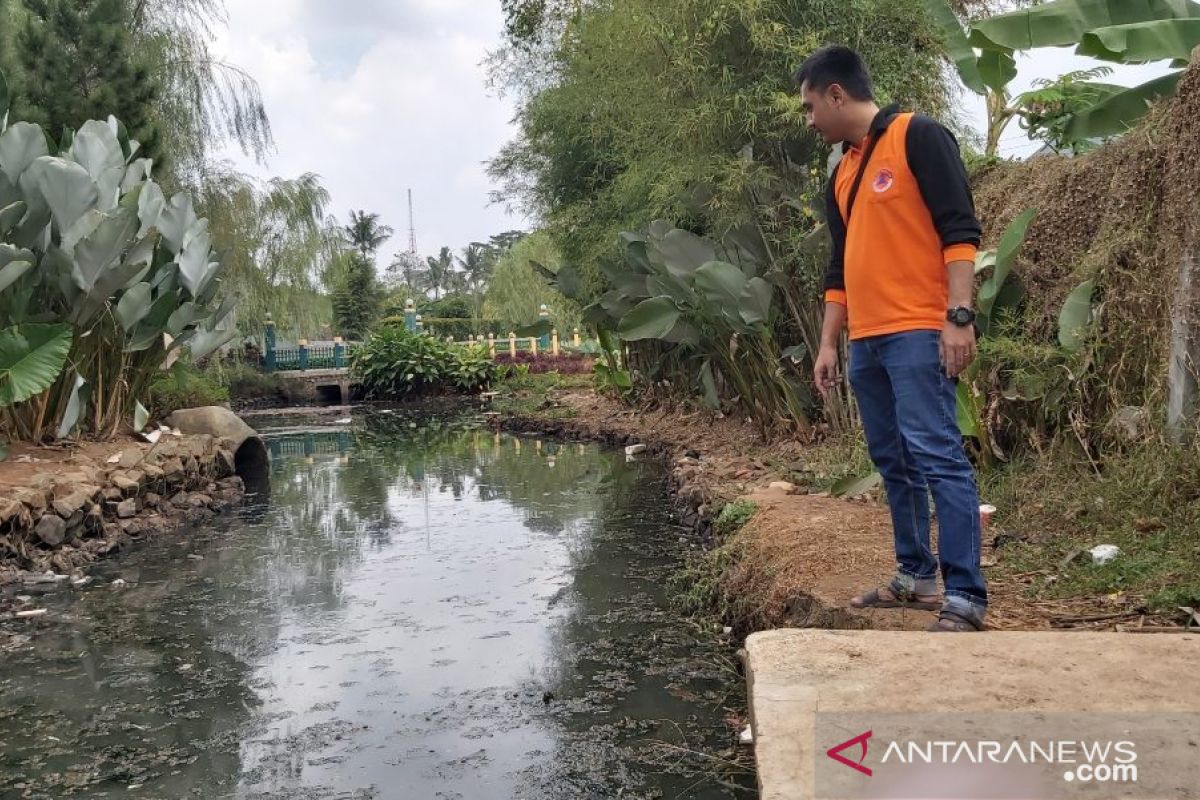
(84, 581)
(115, 459)
(727, 630)
(153, 436)
(119, 583)
(1102, 554)
(747, 736)
(635, 449)
(33, 612)
(345, 421)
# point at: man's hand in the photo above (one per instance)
(957, 348)
(825, 371)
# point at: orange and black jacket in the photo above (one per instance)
(913, 216)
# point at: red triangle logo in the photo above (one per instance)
(836, 753)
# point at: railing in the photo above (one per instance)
(305, 356)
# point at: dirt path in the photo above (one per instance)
(803, 555)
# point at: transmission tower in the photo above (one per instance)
(412, 230)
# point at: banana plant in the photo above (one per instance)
(1119, 31)
(101, 276)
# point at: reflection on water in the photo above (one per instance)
(419, 608)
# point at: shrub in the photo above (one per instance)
(395, 363)
(184, 386)
(564, 364)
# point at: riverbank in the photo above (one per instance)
(801, 553)
(65, 507)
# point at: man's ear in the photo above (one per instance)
(836, 94)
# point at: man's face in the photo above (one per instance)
(825, 111)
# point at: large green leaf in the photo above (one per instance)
(675, 288)
(151, 204)
(31, 359)
(997, 68)
(134, 306)
(1116, 114)
(1063, 23)
(650, 319)
(100, 252)
(150, 330)
(755, 307)
(1006, 256)
(21, 145)
(81, 393)
(683, 252)
(196, 269)
(1143, 42)
(205, 342)
(1076, 316)
(722, 284)
(66, 187)
(176, 219)
(95, 148)
(957, 47)
(684, 332)
(636, 252)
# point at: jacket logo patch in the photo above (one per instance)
(884, 180)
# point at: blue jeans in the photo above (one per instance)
(908, 409)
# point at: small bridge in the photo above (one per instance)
(324, 366)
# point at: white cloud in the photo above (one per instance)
(379, 96)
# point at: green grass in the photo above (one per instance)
(1146, 501)
(695, 588)
(530, 395)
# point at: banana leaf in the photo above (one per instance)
(1063, 23)
(957, 47)
(684, 252)
(1116, 114)
(997, 68)
(1143, 42)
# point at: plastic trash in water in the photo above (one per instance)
(1102, 554)
(747, 736)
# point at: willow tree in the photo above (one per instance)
(205, 102)
(278, 246)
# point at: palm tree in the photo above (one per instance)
(477, 262)
(365, 234)
(441, 271)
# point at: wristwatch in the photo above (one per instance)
(961, 316)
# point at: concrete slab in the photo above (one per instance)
(797, 678)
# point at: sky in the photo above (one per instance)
(380, 96)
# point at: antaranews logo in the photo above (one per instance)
(1086, 761)
(860, 741)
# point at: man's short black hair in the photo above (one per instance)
(840, 65)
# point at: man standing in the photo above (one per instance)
(901, 279)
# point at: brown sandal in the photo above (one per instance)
(901, 598)
(953, 622)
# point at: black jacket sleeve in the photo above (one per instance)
(934, 159)
(835, 275)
